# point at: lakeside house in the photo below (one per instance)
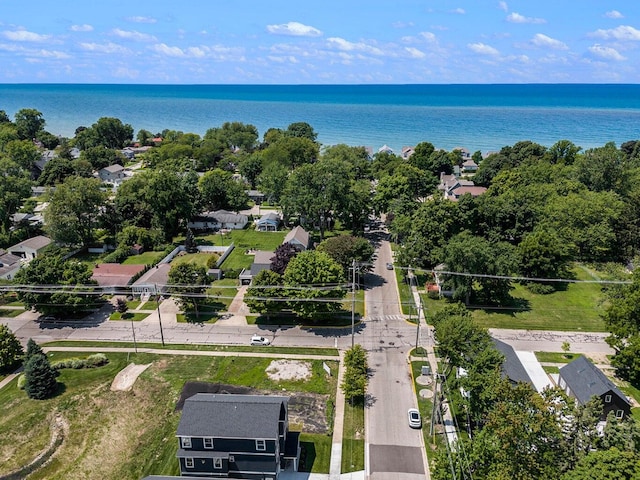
(208, 221)
(453, 187)
(269, 222)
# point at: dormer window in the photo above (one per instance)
(185, 442)
(208, 443)
(261, 445)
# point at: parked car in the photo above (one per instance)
(258, 340)
(389, 266)
(415, 421)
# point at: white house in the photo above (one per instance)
(217, 220)
(30, 248)
(269, 222)
(298, 237)
(112, 173)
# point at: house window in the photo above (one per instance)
(188, 462)
(208, 442)
(217, 463)
(619, 413)
(607, 399)
(261, 445)
(186, 442)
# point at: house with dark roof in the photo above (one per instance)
(582, 380)
(218, 219)
(236, 436)
(261, 261)
(153, 282)
(512, 367)
(269, 222)
(298, 237)
(9, 265)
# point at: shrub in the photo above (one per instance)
(211, 261)
(40, 380)
(232, 273)
(22, 380)
(119, 255)
(97, 360)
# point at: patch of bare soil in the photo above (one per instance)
(289, 370)
(306, 409)
(124, 380)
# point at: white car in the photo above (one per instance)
(258, 340)
(415, 421)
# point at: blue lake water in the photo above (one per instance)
(479, 117)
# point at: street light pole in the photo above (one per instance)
(418, 322)
(133, 330)
(159, 299)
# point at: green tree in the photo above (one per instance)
(40, 378)
(250, 168)
(266, 295)
(541, 254)
(354, 383)
(356, 157)
(23, 152)
(602, 169)
(144, 137)
(53, 271)
(101, 157)
(282, 256)
(15, 186)
(301, 130)
(188, 282)
(107, 132)
(291, 152)
(611, 464)
(318, 284)
(10, 349)
(346, 248)
(272, 181)
(32, 349)
(467, 254)
(234, 135)
(73, 212)
(28, 122)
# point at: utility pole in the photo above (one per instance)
(133, 330)
(418, 322)
(353, 301)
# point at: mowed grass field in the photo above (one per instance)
(127, 435)
(577, 308)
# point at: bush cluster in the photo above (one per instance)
(92, 361)
(119, 255)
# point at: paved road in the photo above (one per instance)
(393, 449)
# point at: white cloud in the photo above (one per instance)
(289, 59)
(458, 11)
(345, 45)
(483, 49)
(422, 37)
(25, 36)
(402, 24)
(133, 35)
(517, 18)
(294, 29)
(613, 14)
(55, 54)
(541, 40)
(503, 6)
(140, 19)
(607, 53)
(81, 28)
(168, 51)
(623, 32)
(104, 47)
(415, 53)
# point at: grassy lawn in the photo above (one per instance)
(577, 308)
(212, 348)
(128, 316)
(10, 312)
(223, 292)
(347, 303)
(127, 435)
(149, 305)
(316, 453)
(555, 357)
(145, 258)
(245, 240)
(353, 438)
(203, 317)
(407, 302)
(193, 258)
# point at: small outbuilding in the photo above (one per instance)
(269, 222)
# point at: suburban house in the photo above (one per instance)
(269, 222)
(112, 173)
(153, 281)
(469, 166)
(511, 368)
(261, 261)
(582, 380)
(386, 149)
(30, 248)
(236, 436)
(255, 196)
(453, 187)
(217, 220)
(298, 237)
(406, 152)
(465, 154)
(9, 265)
(115, 274)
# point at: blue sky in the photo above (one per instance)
(320, 42)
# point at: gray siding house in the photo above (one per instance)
(236, 436)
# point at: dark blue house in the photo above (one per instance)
(236, 436)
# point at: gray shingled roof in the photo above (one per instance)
(35, 243)
(231, 416)
(512, 367)
(585, 380)
(299, 234)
